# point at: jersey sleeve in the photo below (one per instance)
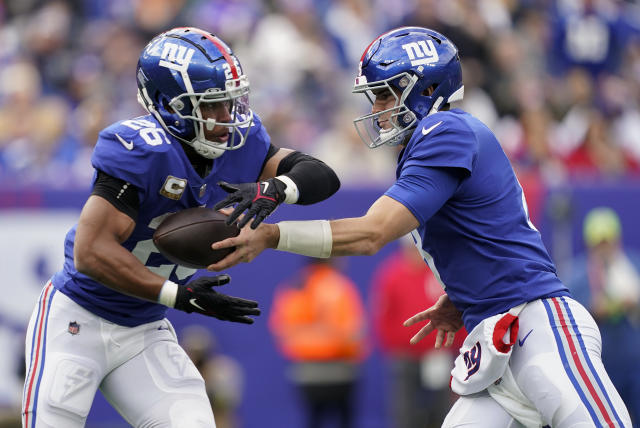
(246, 163)
(445, 142)
(261, 141)
(123, 155)
(424, 190)
(259, 133)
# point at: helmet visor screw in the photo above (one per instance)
(177, 104)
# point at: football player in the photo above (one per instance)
(100, 321)
(532, 356)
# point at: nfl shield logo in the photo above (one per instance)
(74, 328)
(203, 189)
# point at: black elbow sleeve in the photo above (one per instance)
(119, 193)
(316, 181)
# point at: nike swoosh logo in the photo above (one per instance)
(128, 146)
(424, 131)
(521, 342)
(193, 302)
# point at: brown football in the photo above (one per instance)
(185, 237)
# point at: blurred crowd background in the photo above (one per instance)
(558, 81)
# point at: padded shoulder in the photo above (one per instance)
(258, 131)
(443, 139)
(129, 149)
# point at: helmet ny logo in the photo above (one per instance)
(422, 52)
(176, 57)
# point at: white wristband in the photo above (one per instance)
(291, 191)
(168, 294)
(309, 238)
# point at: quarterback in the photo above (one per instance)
(532, 356)
(100, 321)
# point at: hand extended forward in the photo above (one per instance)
(443, 317)
(199, 296)
(248, 245)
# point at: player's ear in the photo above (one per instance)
(430, 90)
(167, 107)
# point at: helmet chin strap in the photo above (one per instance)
(200, 147)
(436, 106)
(205, 150)
(394, 137)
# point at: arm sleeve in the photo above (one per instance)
(316, 181)
(424, 190)
(121, 194)
(272, 150)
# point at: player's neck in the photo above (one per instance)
(201, 164)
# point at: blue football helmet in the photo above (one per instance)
(181, 70)
(411, 60)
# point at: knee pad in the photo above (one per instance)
(179, 412)
(191, 414)
(160, 387)
(479, 411)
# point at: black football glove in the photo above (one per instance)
(198, 296)
(260, 199)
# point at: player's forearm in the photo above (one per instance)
(385, 221)
(114, 266)
(321, 238)
(355, 237)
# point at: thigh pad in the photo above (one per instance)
(73, 385)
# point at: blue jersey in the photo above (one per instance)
(479, 243)
(141, 153)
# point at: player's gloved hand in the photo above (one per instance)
(199, 296)
(260, 199)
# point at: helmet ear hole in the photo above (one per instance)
(430, 90)
(167, 106)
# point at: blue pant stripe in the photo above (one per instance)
(33, 342)
(594, 373)
(563, 356)
(44, 352)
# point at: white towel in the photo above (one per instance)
(484, 355)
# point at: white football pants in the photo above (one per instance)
(142, 371)
(557, 376)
